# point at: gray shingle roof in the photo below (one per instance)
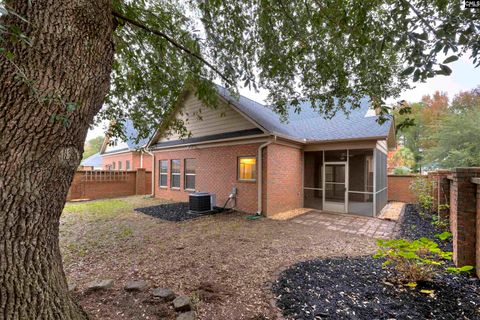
(309, 124)
(131, 134)
(93, 161)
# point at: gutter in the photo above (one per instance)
(260, 175)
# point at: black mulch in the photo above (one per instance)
(415, 225)
(358, 288)
(174, 211)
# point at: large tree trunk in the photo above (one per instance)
(41, 141)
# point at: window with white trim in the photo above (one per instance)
(189, 182)
(119, 165)
(247, 168)
(127, 165)
(175, 178)
(163, 165)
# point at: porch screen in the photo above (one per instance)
(360, 182)
(312, 180)
(380, 181)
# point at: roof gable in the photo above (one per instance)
(306, 126)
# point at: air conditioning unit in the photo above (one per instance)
(201, 202)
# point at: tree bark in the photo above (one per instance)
(49, 93)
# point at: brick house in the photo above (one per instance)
(335, 165)
(126, 155)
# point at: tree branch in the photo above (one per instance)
(172, 42)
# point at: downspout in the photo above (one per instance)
(260, 175)
(153, 170)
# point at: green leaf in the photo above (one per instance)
(411, 284)
(444, 235)
(408, 71)
(466, 268)
(444, 70)
(450, 59)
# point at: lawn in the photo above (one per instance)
(235, 258)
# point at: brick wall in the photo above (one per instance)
(101, 184)
(463, 215)
(283, 174)
(399, 188)
(477, 182)
(216, 172)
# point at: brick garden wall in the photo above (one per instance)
(398, 188)
(101, 184)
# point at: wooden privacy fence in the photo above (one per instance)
(103, 184)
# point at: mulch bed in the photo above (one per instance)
(358, 288)
(174, 211)
(415, 225)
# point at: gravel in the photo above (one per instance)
(358, 288)
(174, 211)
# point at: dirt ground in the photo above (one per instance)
(224, 262)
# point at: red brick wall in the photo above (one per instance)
(399, 188)
(108, 184)
(478, 232)
(216, 172)
(463, 215)
(134, 157)
(283, 179)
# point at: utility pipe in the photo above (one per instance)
(260, 175)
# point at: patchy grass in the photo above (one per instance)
(236, 257)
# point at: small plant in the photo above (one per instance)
(416, 260)
(413, 260)
(423, 188)
(455, 270)
(438, 221)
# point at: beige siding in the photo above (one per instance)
(203, 121)
(382, 146)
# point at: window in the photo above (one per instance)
(190, 165)
(175, 182)
(113, 165)
(163, 165)
(247, 168)
(119, 165)
(127, 165)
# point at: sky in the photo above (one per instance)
(464, 77)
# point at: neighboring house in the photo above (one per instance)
(126, 155)
(335, 165)
(94, 162)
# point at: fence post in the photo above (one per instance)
(140, 181)
(463, 215)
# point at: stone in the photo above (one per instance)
(182, 303)
(164, 293)
(136, 285)
(72, 287)
(190, 315)
(98, 285)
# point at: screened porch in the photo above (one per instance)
(345, 181)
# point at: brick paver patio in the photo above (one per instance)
(359, 225)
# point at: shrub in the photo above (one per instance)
(401, 170)
(413, 260)
(417, 260)
(423, 189)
